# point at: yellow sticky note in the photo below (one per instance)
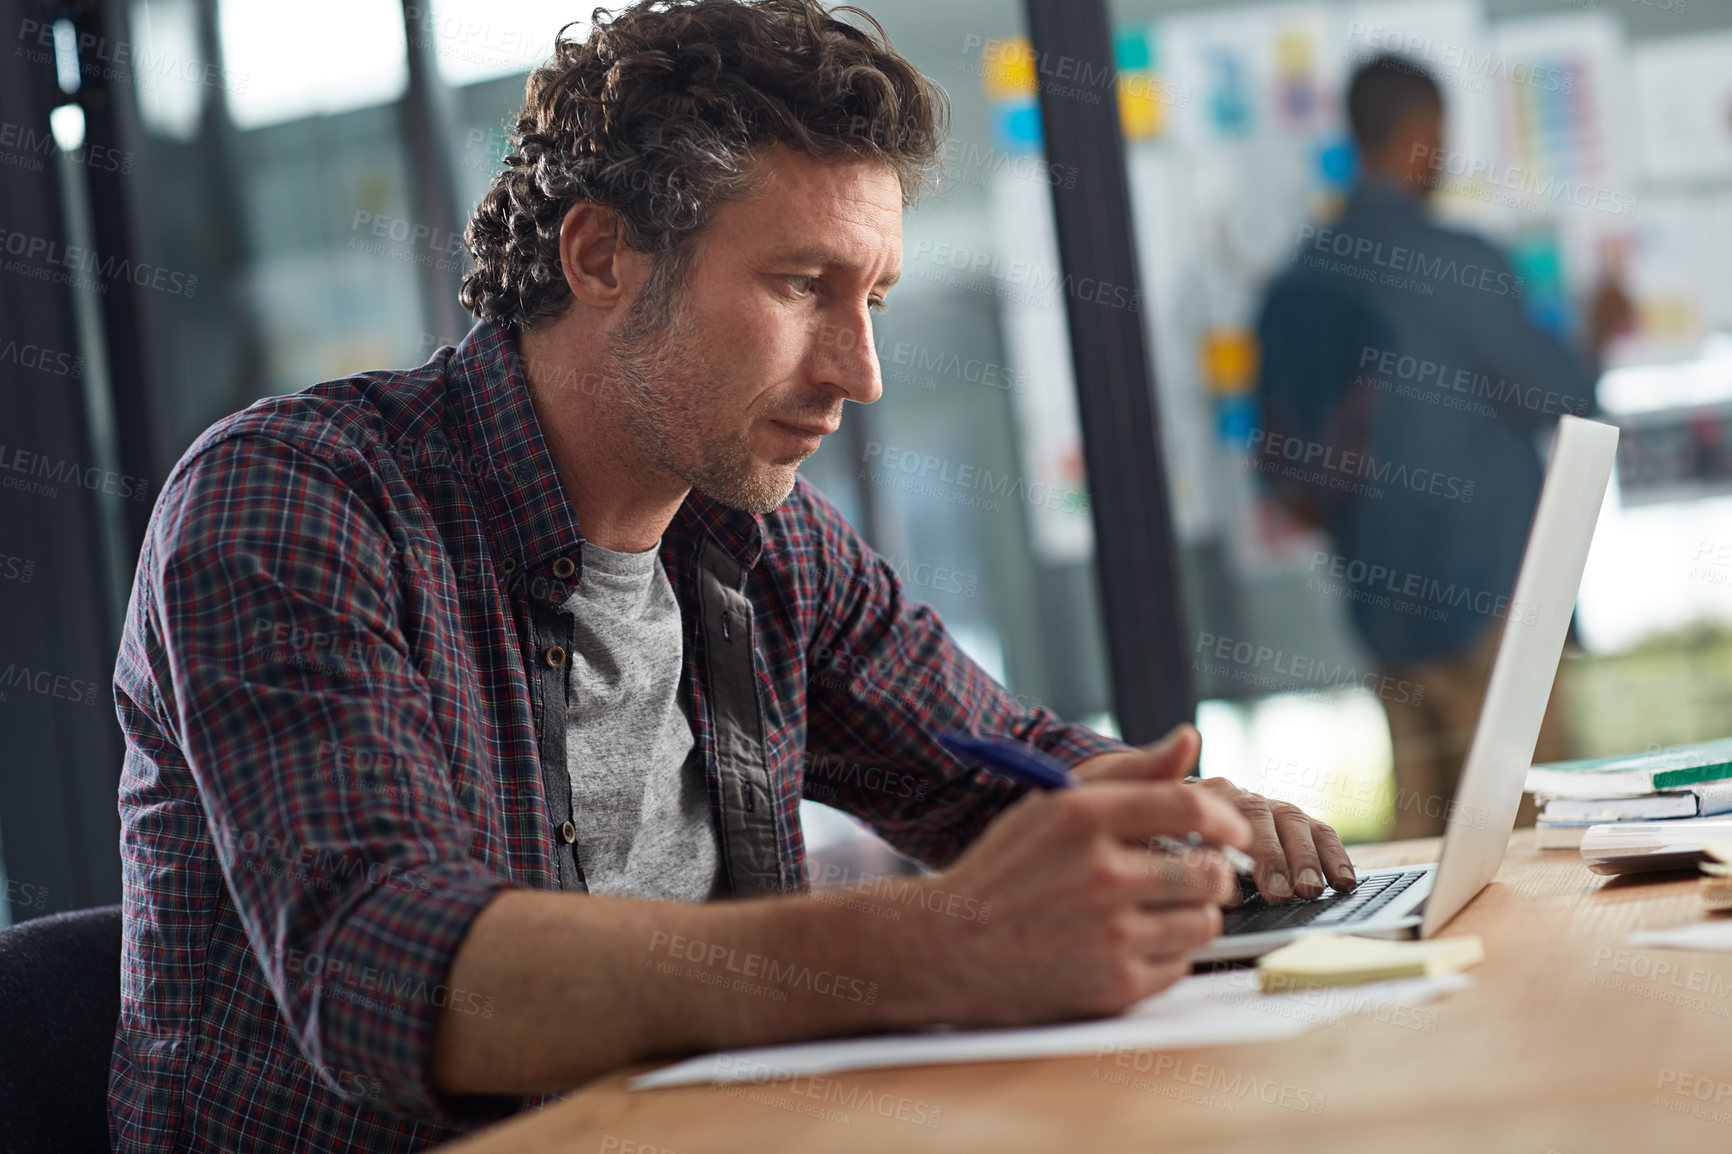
(1229, 360)
(1343, 960)
(1008, 68)
(1141, 112)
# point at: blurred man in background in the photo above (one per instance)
(1405, 395)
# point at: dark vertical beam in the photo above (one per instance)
(229, 249)
(60, 748)
(1136, 553)
(107, 102)
(428, 124)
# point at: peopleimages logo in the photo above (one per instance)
(1265, 667)
(1018, 280)
(1388, 588)
(1474, 67)
(47, 683)
(61, 471)
(835, 771)
(1435, 377)
(30, 249)
(1529, 182)
(25, 894)
(127, 63)
(1398, 263)
(44, 360)
(748, 1071)
(1223, 1088)
(949, 364)
(979, 162)
(957, 479)
(781, 976)
(25, 147)
(1327, 459)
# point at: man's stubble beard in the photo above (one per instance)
(664, 410)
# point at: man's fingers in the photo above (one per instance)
(1294, 854)
(1168, 759)
(1172, 757)
(1191, 877)
(1305, 869)
(1159, 973)
(1171, 933)
(1273, 880)
(1138, 812)
(1337, 866)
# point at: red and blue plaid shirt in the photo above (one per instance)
(344, 629)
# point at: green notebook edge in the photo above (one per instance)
(1712, 762)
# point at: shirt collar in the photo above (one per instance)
(1376, 194)
(528, 516)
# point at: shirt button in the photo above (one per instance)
(509, 565)
(568, 833)
(554, 656)
(564, 568)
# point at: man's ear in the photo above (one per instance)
(600, 269)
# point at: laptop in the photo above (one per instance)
(1418, 901)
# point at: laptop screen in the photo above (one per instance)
(1527, 662)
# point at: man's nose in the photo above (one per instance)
(847, 359)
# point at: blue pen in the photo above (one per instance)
(1028, 766)
(1021, 763)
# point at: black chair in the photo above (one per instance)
(59, 1004)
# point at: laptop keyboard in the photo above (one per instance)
(1363, 901)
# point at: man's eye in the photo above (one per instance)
(802, 284)
(878, 305)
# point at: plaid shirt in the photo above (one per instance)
(346, 624)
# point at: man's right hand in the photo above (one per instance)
(1072, 916)
(1084, 919)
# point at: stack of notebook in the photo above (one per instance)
(1674, 784)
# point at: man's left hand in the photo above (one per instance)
(1294, 853)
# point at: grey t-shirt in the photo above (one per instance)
(638, 797)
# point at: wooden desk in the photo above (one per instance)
(1568, 1042)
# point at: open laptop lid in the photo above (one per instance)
(1527, 661)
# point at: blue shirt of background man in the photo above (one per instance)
(1397, 355)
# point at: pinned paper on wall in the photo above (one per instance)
(1300, 101)
(1032, 299)
(1249, 78)
(1146, 98)
(1559, 81)
(1684, 105)
(1032, 290)
(1011, 85)
(1012, 74)
(1678, 274)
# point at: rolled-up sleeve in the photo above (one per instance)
(885, 679)
(307, 721)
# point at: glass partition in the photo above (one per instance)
(1588, 147)
(290, 189)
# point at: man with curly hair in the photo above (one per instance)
(457, 698)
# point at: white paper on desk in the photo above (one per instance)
(1217, 1009)
(1712, 935)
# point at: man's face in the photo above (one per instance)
(770, 331)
